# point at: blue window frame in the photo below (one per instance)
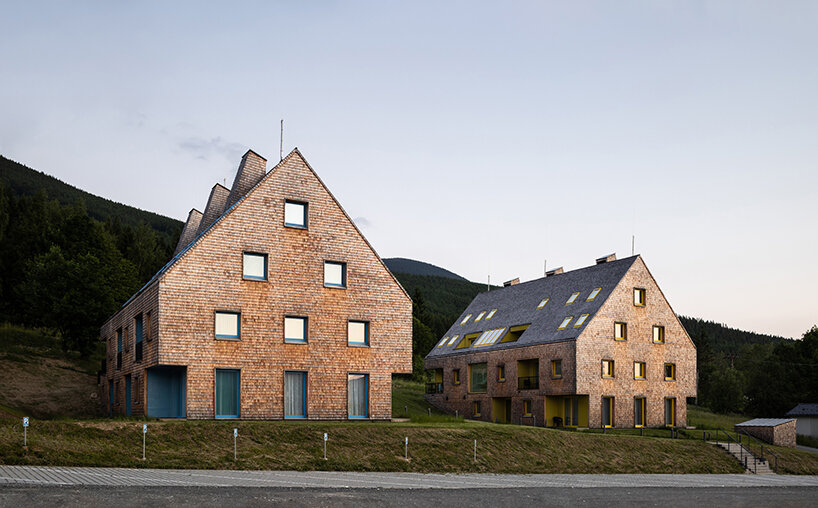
(335, 274)
(227, 393)
(358, 333)
(119, 340)
(295, 329)
(295, 214)
(358, 395)
(228, 325)
(295, 394)
(254, 266)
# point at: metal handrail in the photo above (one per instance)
(744, 453)
(761, 445)
(528, 383)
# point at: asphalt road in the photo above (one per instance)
(200, 497)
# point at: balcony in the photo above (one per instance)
(528, 383)
(432, 388)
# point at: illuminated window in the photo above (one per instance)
(639, 297)
(542, 303)
(581, 321)
(639, 370)
(572, 299)
(556, 368)
(607, 368)
(501, 373)
(476, 408)
(565, 322)
(465, 319)
(491, 314)
(639, 412)
(526, 408)
(658, 334)
(670, 372)
(621, 331)
(593, 294)
(480, 316)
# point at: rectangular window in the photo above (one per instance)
(639, 370)
(358, 333)
(295, 394)
(480, 316)
(670, 372)
(542, 303)
(476, 408)
(227, 393)
(335, 274)
(295, 329)
(254, 266)
(358, 395)
(138, 333)
(556, 368)
(607, 411)
(639, 297)
(593, 294)
(148, 325)
(477, 378)
(491, 314)
(565, 322)
(607, 368)
(621, 331)
(295, 214)
(658, 334)
(227, 325)
(572, 298)
(670, 412)
(456, 377)
(581, 321)
(465, 319)
(501, 373)
(454, 339)
(526, 408)
(119, 349)
(571, 412)
(639, 412)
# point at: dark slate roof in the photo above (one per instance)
(517, 305)
(765, 422)
(804, 410)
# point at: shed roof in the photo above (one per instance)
(517, 305)
(804, 410)
(765, 422)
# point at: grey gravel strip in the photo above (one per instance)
(34, 475)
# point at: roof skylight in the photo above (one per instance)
(454, 339)
(593, 294)
(542, 303)
(572, 299)
(491, 314)
(489, 337)
(565, 322)
(465, 319)
(581, 321)
(480, 316)
(442, 342)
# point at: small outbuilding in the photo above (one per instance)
(776, 431)
(806, 416)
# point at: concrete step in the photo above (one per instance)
(751, 463)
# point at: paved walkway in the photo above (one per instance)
(43, 476)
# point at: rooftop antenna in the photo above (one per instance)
(281, 145)
(633, 245)
(488, 284)
(544, 266)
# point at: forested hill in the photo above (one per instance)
(24, 181)
(410, 266)
(724, 339)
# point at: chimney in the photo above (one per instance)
(555, 271)
(606, 259)
(194, 218)
(215, 207)
(252, 169)
(512, 282)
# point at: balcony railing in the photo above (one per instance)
(434, 388)
(138, 357)
(528, 383)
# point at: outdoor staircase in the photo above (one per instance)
(751, 463)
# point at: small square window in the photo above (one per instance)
(491, 314)
(501, 373)
(572, 299)
(227, 325)
(639, 297)
(476, 408)
(659, 334)
(593, 294)
(295, 329)
(639, 370)
(607, 368)
(295, 214)
(456, 377)
(565, 322)
(542, 303)
(581, 321)
(621, 331)
(358, 333)
(556, 368)
(526, 408)
(254, 266)
(479, 316)
(335, 274)
(465, 319)
(670, 372)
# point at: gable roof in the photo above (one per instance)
(804, 410)
(765, 422)
(517, 305)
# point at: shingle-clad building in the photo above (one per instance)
(594, 347)
(273, 306)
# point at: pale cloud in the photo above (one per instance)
(362, 222)
(202, 148)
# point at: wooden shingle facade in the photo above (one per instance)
(274, 306)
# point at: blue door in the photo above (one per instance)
(166, 392)
(128, 395)
(110, 398)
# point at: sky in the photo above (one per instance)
(489, 138)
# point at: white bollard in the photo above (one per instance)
(235, 435)
(144, 433)
(25, 432)
(325, 446)
(475, 450)
(406, 450)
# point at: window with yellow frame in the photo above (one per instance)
(670, 372)
(526, 408)
(670, 412)
(639, 297)
(658, 334)
(639, 412)
(639, 370)
(565, 322)
(581, 321)
(501, 373)
(556, 368)
(465, 319)
(491, 314)
(607, 368)
(572, 298)
(476, 408)
(593, 294)
(607, 412)
(456, 377)
(621, 331)
(542, 303)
